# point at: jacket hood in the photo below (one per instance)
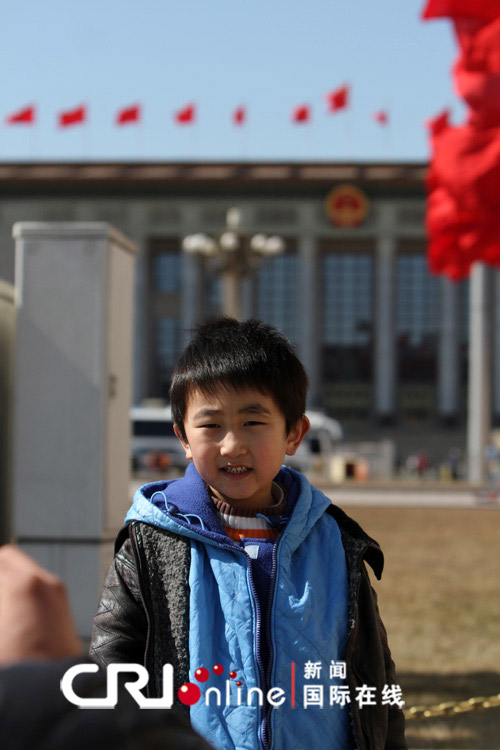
(184, 506)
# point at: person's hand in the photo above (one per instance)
(35, 620)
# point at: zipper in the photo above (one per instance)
(263, 630)
(258, 639)
(266, 727)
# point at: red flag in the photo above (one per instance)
(240, 116)
(382, 117)
(129, 114)
(72, 117)
(301, 113)
(186, 115)
(483, 9)
(24, 116)
(338, 99)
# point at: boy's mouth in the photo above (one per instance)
(236, 471)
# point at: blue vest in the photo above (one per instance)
(306, 624)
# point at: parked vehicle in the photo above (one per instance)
(155, 447)
(317, 447)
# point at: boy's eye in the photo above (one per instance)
(253, 422)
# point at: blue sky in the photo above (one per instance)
(267, 54)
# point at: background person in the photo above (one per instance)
(38, 643)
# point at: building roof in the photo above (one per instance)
(146, 175)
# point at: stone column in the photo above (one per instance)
(73, 375)
(479, 415)
(496, 347)
(137, 229)
(449, 354)
(310, 338)
(385, 325)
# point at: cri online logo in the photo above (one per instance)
(189, 693)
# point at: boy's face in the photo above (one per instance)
(238, 443)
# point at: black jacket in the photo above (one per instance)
(143, 617)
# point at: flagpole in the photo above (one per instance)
(478, 425)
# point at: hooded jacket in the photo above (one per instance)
(180, 591)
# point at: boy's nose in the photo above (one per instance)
(232, 445)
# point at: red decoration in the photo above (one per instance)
(382, 117)
(301, 113)
(218, 669)
(483, 9)
(72, 117)
(477, 71)
(186, 115)
(240, 116)
(24, 116)
(129, 114)
(463, 200)
(338, 99)
(439, 123)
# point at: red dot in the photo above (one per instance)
(189, 693)
(232, 675)
(202, 674)
(218, 669)
(239, 684)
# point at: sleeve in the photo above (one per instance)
(396, 719)
(120, 627)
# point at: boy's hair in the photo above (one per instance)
(227, 353)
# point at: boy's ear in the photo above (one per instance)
(187, 449)
(297, 434)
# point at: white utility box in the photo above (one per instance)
(73, 372)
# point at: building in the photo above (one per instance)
(384, 343)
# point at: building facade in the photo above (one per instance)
(384, 343)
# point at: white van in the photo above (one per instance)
(316, 450)
(155, 447)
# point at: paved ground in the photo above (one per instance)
(404, 497)
(392, 496)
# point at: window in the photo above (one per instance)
(278, 294)
(347, 316)
(164, 312)
(418, 318)
(167, 269)
(167, 342)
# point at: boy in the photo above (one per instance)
(244, 576)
